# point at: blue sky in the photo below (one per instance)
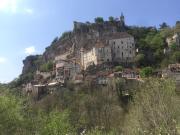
(28, 26)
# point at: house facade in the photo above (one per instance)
(66, 69)
(96, 56)
(119, 48)
(123, 48)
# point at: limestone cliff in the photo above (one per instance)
(83, 35)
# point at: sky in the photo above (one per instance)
(27, 27)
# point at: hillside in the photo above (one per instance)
(150, 42)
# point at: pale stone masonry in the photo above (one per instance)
(119, 48)
(96, 56)
(174, 39)
(123, 48)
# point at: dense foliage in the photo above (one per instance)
(47, 67)
(152, 47)
(152, 108)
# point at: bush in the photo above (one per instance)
(176, 56)
(140, 59)
(11, 119)
(111, 19)
(155, 109)
(47, 67)
(99, 20)
(118, 68)
(57, 124)
(146, 72)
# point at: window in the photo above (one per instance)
(118, 46)
(114, 42)
(121, 42)
(122, 54)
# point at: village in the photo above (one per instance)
(110, 57)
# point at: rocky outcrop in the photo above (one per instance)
(31, 63)
(84, 35)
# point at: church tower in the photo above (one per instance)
(122, 19)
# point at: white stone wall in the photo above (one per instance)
(96, 56)
(119, 50)
(88, 58)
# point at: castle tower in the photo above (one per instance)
(122, 19)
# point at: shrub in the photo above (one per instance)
(176, 56)
(47, 67)
(146, 72)
(57, 124)
(139, 59)
(155, 109)
(99, 20)
(118, 68)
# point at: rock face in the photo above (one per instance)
(30, 63)
(83, 35)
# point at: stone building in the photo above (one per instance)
(66, 69)
(96, 56)
(119, 47)
(123, 48)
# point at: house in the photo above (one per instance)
(119, 47)
(130, 74)
(96, 56)
(66, 69)
(173, 72)
(123, 47)
(36, 91)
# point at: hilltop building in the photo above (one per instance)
(96, 56)
(123, 48)
(119, 47)
(66, 69)
(118, 25)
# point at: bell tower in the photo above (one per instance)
(122, 19)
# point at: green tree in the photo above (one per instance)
(146, 72)
(57, 124)
(157, 42)
(11, 120)
(140, 59)
(99, 20)
(163, 25)
(166, 32)
(55, 40)
(176, 56)
(173, 46)
(118, 68)
(155, 109)
(111, 19)
(47, 67)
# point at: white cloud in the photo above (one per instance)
(29, 11)
(9, 6)
(30, 50)
(14, 6)
(2, 60)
